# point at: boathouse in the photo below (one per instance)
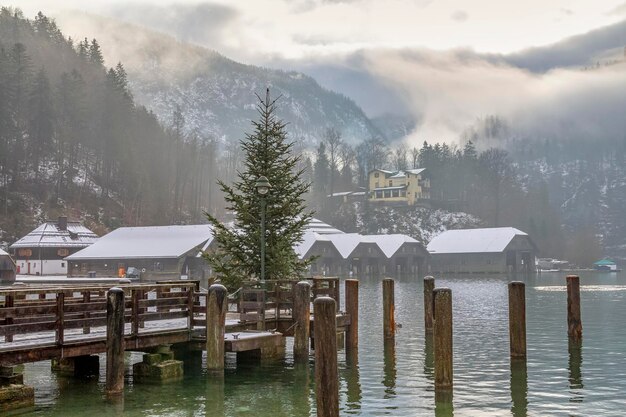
(491, 250)
(42, 251)
(362, 255)
(154, 252)
(7, 267)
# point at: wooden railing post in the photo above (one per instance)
(190, 303)
(326, 376)
(135, 312)
(115, 341)
(302, 321)
(87, 314)
(9, 301)
(217, 304)
(389, 321)
(352, 310)
(517, 319)
(443, 338)
(429, 286)
(574, 323)
(60, 314)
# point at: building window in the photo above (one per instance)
(379, 194)
(376, 175)
(395, 193)
(62, 264)
(390, 183)
(376, 186)
(402, 193)
(387, 193)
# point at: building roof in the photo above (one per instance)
(322, 228)
(3, 252)
(147, 242)
(604, 262)
(346, 243)
(416, 171)
(399, 187)
(494, 239)
(50, 235)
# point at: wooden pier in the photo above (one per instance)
(63, 322)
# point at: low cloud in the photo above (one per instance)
(450, 90)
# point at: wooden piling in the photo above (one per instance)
(326, 377)
(216, 307)
(443, 338)
(389, 322)
(429, 286)
(115, 342)
(352, 310)
(574, 323)
(517, 319)
(302, 321)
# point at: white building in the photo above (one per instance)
(42, 251)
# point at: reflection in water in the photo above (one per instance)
(443, 403)
(302, 389)
(575, 378)
(429, 357)
(215, 398)
(353, 384)
(390, 369)
(519, 388)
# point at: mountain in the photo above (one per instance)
(216, 95)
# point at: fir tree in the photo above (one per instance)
(267, 153)
(95, 53)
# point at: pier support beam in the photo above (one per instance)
(159, 366)
(326, 376)
(216, 306)
(443, 339)
(429, 286)
(389, 321)
(115, 342)
(574, 323)
(79, 366)
(517, 319)
(302, 321)
(13, 393)
(352, 310)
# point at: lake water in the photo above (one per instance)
(557, 381)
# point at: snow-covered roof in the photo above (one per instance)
(340, 194)
(389, 244)
(415, 171)
(320, 227)
(493, 239)
(50, 234)
(399, 174)
(3, 252)
(346, 243)
(147, 242)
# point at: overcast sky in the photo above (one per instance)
(251, 30)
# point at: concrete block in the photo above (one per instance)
(13, 397)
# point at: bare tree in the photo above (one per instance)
(332, 137)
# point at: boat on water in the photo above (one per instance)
(606, 265)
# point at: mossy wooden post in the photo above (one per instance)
(115, 341)
(326, 377)
(352, 310)
(216, 306)
(389, 322)
(429, 286)
(517, 319)
(574, 323)
(302, 321)
(9, 301)
(443, 338)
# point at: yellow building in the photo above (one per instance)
(408, 187)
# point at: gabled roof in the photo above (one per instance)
(346, 243)
(416, 171)
(147, 242)
(488, 240)
(389, 244)
(49, 234)
(3, 252)
(320, 227)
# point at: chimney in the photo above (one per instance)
(62, 223)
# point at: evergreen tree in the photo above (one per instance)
(267, 153)
(95, 54)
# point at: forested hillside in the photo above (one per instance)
(72, 139)
(215, 93)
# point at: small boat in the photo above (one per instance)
(607, 265)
